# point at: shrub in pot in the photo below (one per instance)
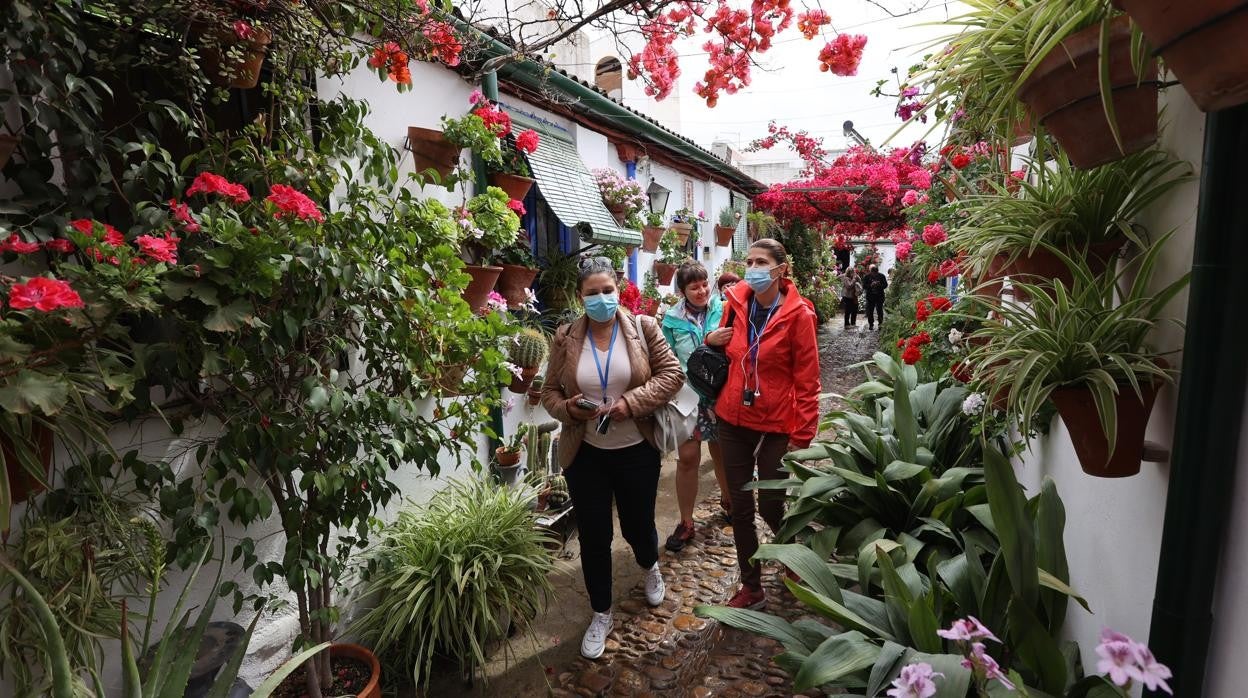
(476, 553)
(671, 255)
(512, 173)
(1087, 348)
(622, 197)
(1062, 212)
(727, 226)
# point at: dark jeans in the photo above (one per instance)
(744, 451)
(877, 305)
(850, 305)
(630, 476)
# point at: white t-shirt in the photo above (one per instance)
(620, 434)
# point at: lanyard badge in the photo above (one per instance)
(755, 341)
(604, 423)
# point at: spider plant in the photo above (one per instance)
(1064, 209)
(1094, 334)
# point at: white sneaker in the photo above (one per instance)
(655, 588)
(595, 640)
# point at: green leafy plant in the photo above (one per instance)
(470, 131)
(449, 577)
(654, 219)
(558, 279)
(1063, 208)
(671, 251)
(512, 162)
(494, 225)
(1094, 334)
(728, 217)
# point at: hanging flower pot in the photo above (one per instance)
(619, 212)
(682, 232)
(664, 272)
(513, 282)
(22, 485)
(450, 381)
(723, 235)
(650, 236)
(506, 458)
(1078, 411)
(1202, 43)
(1044, 264)
(431, 150)
(483, 280)
(8, 144)
(230, 60)
(534, 393)
(517, 187)
(1064, 95)
(521, 384)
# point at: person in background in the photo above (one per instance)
(684, 327)
(874, 283)
(726, 281)
(851, 289)
(603, 382)
(770, 403)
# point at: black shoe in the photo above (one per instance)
(680, 537)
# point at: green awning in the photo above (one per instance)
(570, 191)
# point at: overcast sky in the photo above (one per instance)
(797, 94)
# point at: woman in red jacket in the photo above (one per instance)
(770, 402)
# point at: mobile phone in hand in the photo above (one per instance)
(587, 404)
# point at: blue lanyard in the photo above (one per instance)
(603, 375)
(756, 335)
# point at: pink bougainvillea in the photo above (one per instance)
(808, 22)
(842, 55)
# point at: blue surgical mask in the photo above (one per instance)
(602, 306)
(759, 279)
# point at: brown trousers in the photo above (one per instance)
(746, 450)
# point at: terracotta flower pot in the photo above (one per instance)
(1064, 95)
(373, 688)
(534, 393)
(664, 272)
(22, 485)
(1202, 43)
(1078, 411)
(618, 212)
(723, 235)
(521, 385)
(513, 282)
(8, 144)
(650, 237)
(515, 185)
(431, 150)
(682, 232)
(483, 280)
(226, 67)
(1043, 264)
(506, 458)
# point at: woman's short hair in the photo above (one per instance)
(688, 273)
(773, 247)
(593, 265)
(725, 279)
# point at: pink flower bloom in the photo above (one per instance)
(16, 244)
(915, 681)
(980, 661)
(910, 198)
(42, 293)
(527, 142)
(291, 201)
(1117, 660)
(60, 245)
(243, 30)
(160, 249)
(920, 179)
(934, 234)
(182, 214)
(903, 251)
(517, 206)
(111, 235)
(495, 301)
(1153, 674)
(209, 183)
(966, 630)
(476, 97)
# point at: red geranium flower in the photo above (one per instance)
(18, 245)
(289, 200)
(920, 339)
(960, 372)
(527, 142)
(960, 160)
(160, 249)
(940, 302)
(496, 120)
(111, 235)
(517, 206)
(42, 293)
(933, 276)
(182, 214)
(209, 183)
(59, 245)
(911, 355)
(922, 310)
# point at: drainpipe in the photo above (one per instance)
(1210, 411)
(489, 89)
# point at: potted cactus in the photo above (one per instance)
(527, 353)
(535, 391)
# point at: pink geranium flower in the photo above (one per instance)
(161, 249)
(290, 201)
(527, 141)
(16, 244)
(934, 234)
(517, 206)
(182, 214)
(209, 183)
(42, 293)
(60, 245)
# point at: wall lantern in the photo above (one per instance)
(658, 196)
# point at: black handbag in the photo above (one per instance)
(707, 368)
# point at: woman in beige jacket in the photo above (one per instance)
(603, 383)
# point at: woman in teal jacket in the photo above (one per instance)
(684, 326)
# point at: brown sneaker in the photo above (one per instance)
(748, 597)
(680, 537)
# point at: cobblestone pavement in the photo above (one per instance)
(667, 651)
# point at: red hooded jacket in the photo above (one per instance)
(788, 367)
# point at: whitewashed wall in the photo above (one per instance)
(1113, 529)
